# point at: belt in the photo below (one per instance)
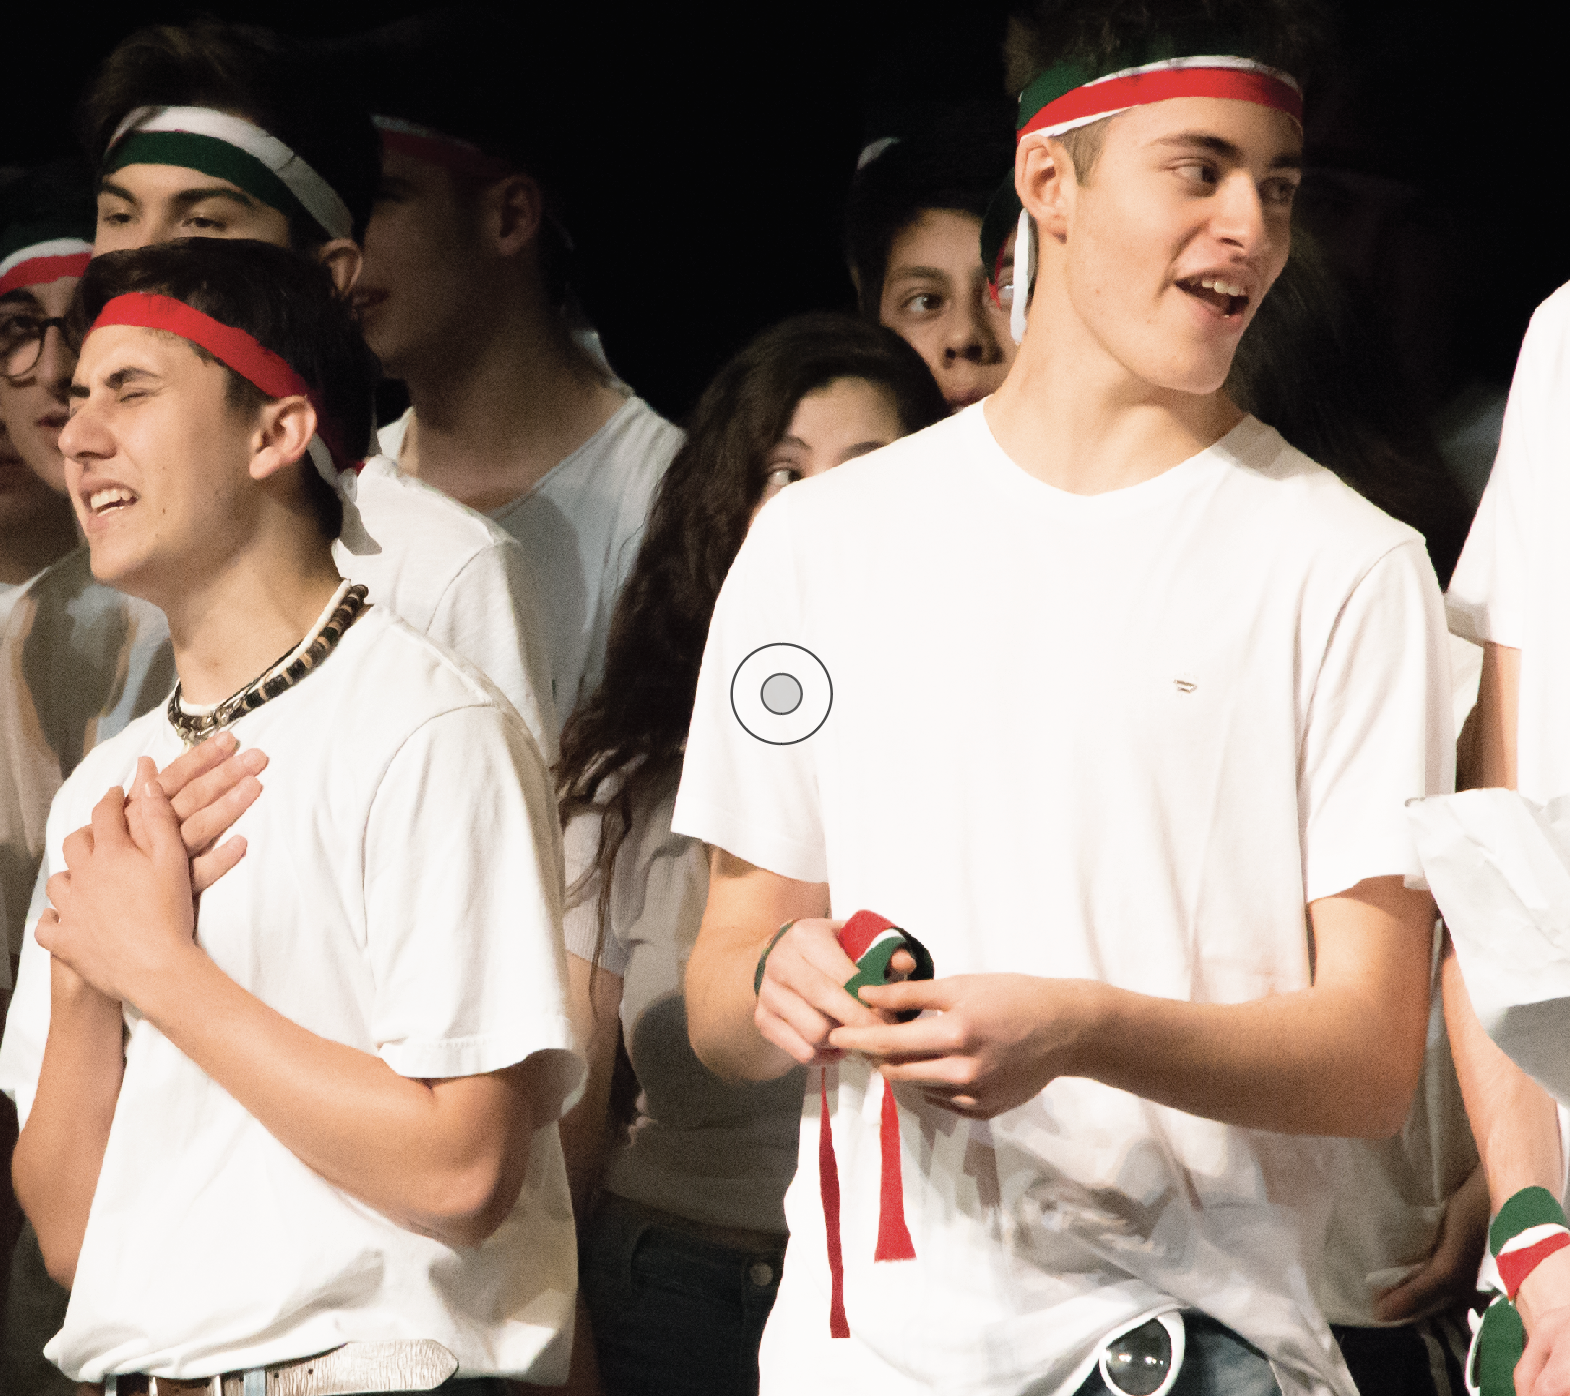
(417, 1365)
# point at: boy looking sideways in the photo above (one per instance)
(912, 220)
(330, 1132)
(1160, 863)
(467, 298)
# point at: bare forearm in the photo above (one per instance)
(746, 907)
(1300, 1063)
(399, 1145)
(720, 1009)
(1514, 1121)
(61, 1152)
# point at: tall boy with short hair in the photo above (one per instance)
(1127, 696)
(466, 297)
(330, 1131)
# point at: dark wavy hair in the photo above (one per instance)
(634, 725)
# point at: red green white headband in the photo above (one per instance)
(235, 349)
(438, 148)
(42, 262)
(233, 149)
(1055, 109)
(1075, 93)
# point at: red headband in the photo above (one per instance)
(39, 271)
(231, 347)
(1121, 91)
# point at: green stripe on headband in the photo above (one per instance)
(1063, 77)
(211, 156)
(1527, 1208)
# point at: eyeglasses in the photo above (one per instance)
(22, 340)
(1144, 1360)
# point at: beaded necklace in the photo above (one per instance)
(346, 607)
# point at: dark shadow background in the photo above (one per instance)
(716, 142)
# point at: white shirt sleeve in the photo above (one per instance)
(1379, 729)
(463, 903)
(490, 616)
(1505, 563)
(27, 1020)
(756, 800)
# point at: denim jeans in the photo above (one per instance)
(674, 1315)
(1216, 1362)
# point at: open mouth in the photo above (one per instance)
(1226, 298)
(108, 499)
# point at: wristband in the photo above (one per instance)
(1530, 1227)
(763, 959)
(1498, 1340)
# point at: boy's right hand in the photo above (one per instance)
(802, 998)
(210, 787)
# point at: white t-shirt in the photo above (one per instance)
(1125, 737)
(1512, 584)
(580, 527)
(400, 893)
(79, 660)
(713, 1151)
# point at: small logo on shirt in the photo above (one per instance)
(781, 694)
(1184, 685)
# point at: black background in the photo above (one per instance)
(712, 167)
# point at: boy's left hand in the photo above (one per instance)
(993, 1043)
(123, 912)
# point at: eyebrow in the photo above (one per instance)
(114, 382)
(935, 273)
(186, 198)
(859, 449)
(1218, 145)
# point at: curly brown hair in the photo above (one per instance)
(634, 725)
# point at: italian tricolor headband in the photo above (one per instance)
(1075, 93)
(438, 148)
(234, 349)
(38, 253)
(233, 149)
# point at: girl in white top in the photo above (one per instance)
(699, 1176)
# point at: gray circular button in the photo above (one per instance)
(761, 1274)
(781, 694)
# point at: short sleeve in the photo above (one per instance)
(27, 1019)
(1504, 565)
(489, 615)
(754, 798)
(1379, 728)
(463, 877)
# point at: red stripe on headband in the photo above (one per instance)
(1099, 99)
(231, 347)
(40, 271)
(450, 155)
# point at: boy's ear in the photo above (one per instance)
(342, 259)
(1044, 180)
(516, 206)
(284, 429)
